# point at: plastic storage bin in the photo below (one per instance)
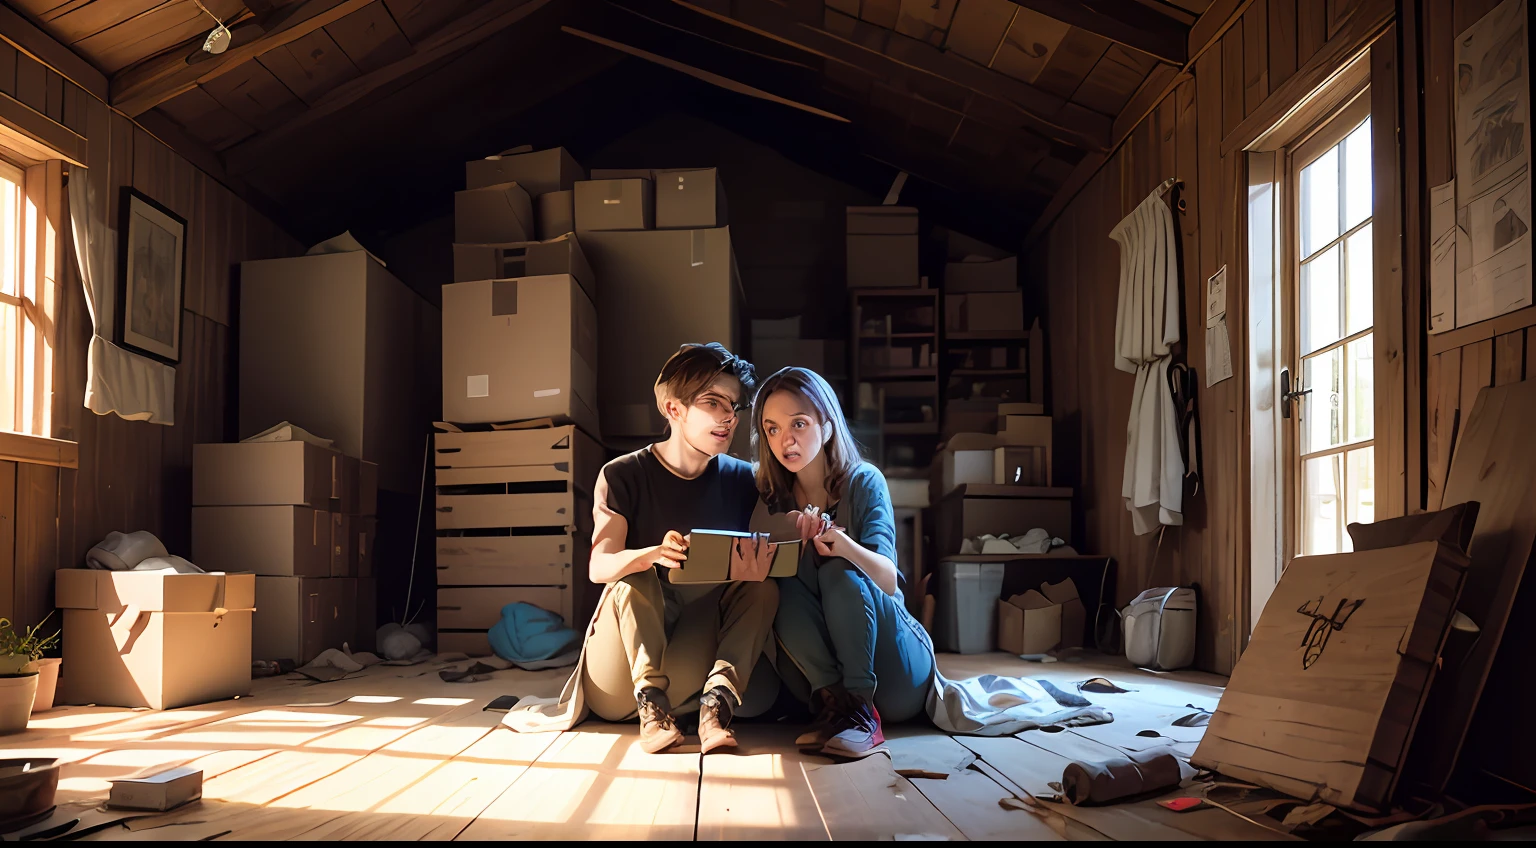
(965, 606)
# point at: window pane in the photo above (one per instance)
(1320, 301)
(1320, 520)
(1322, 424)
(10, 223)
(1359, 488)
(1320, 202)
(1358, 282)
(8, 366)
(1357, 175)
(1360, 396)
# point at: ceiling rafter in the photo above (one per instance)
(486, 20)
(146, 84)
(1046, 114)
(1132, 25)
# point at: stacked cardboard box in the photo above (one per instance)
(514, 523)
(776, 344)
(520, 319)
(883, 247)
(659, 242)
(302, 518)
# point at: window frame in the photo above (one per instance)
(1353, 109)
(36, 301)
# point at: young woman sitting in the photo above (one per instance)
(847, 644)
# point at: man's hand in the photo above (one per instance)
(751, 558)
(672, 552)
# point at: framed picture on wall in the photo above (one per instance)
(152, 258)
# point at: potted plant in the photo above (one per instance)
(19, 673)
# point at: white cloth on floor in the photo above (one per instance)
(983, 706)
(122, 551)
(1146, 327)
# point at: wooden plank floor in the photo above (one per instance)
(395, 753)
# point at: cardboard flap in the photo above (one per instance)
(1029, 599)
(1060, 593)
(153, 591)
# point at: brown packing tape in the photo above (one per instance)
(615, 193)
(697, 255)
(504, 297)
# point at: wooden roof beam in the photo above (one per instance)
(484, 21)
(146, 84)
(1044, 113)
(1128, 24)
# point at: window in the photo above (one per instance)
(1330, 333)
(27, 266)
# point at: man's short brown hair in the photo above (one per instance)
(695, 367)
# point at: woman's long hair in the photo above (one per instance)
(774, 481)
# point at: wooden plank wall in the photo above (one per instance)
(1494, 352)
(1181, 137)
(132, 475)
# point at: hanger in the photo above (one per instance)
(1167, 185)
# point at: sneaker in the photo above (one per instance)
(858, 735)
(716, 707)
(658, 729)
(834, 702)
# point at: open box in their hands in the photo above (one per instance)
(709, 556)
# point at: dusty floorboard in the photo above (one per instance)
(395, 753)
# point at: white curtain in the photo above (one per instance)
(116, 380)
(1146, 326)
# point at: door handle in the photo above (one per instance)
(1287, 395)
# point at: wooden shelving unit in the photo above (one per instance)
(905, 322)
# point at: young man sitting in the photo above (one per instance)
(654, 643)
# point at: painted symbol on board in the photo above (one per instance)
(1316, 638)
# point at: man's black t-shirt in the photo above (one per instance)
(653, 500)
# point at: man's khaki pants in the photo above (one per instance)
(683, 640)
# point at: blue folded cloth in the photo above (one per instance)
(527, 633)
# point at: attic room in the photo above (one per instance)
(766, 420)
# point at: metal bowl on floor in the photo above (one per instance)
(27, 788)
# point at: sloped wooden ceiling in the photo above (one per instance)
(327, 110)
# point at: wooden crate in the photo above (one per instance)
(1323, 703)
(518, 456)
(545, 560)
(479, 607)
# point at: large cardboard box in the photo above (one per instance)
(1028, 623)
(617, 204)
(538, 171)
(520, 349)
(343, 554)
(689, 199)
(269, 540)
(967, 458)
(994, 275)
(339, 346)
(493, 214)
(661, 289)
(268, 473)
(883, 247)
(988, 312)
(561, 255)
(299, 617)
(555, 214)
(154, 639)
(1032, 431)
(367, 488)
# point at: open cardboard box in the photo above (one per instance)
(1028, 623)
(709, 557)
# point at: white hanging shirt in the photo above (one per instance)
(1146, 327)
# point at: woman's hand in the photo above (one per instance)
(832, 542)
(811, 522)
(672, 552)
(751, 558)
